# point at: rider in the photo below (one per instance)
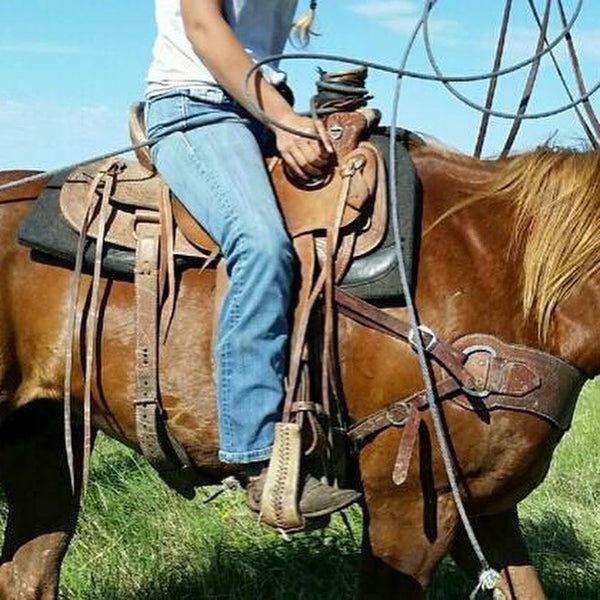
(211, 156)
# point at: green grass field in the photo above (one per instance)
(137, 539)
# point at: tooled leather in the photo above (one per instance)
(519, 378)
(279, 502)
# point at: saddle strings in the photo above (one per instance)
(97, 202)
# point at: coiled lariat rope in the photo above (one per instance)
(438, 77)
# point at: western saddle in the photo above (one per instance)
(330, 221)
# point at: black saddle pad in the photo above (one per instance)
(372, 277)
(376, 276)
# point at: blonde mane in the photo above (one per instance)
(556, 193)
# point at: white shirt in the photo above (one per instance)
(262, 26)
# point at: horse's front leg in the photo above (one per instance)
(502, 542)
(380, 581)
(405, 550)
(42, 510)
(409, 528)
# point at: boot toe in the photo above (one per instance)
(319, 499)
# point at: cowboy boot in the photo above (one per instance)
(317, 498)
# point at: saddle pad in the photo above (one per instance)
(375, 276)
(372, 277)
(52, 238)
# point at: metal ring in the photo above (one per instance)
(423, 329)
(475, 393)
(480, 348)
(336, 132)
(397, 422)
(473, 350)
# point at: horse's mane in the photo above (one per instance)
(556, 194)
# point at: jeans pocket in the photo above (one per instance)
(164, 114)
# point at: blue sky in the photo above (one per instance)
(69, 70)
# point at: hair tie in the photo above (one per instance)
(302, 30)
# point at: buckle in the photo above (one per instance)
(469, 352)
(433, 340)
(393, 420)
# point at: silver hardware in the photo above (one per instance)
(423, 329)
(336, 132)
(473, 350)
(397, 422)
(353, 166)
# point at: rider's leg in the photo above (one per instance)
(217, 170)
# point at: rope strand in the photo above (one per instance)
(438, 77)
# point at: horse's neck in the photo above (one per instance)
(448, 180)
(471, 281)
(467, 280)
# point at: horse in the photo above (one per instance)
(508, 247)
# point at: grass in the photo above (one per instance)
(137, 539)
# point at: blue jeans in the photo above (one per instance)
(216, 168)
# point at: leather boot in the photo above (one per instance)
(317, 499)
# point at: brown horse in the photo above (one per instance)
(508, 248)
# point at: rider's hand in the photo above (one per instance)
(306, 158)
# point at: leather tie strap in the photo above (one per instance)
(161, 450)
(97, 196)
(407, 444)
(146, 294)
(92, 322)
(446, 355)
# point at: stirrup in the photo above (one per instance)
(279, 502)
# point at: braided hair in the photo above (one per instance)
(302, 29)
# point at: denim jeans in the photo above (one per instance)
(215, 167)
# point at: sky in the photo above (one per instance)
(69, 69)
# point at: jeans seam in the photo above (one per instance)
(225, 353)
